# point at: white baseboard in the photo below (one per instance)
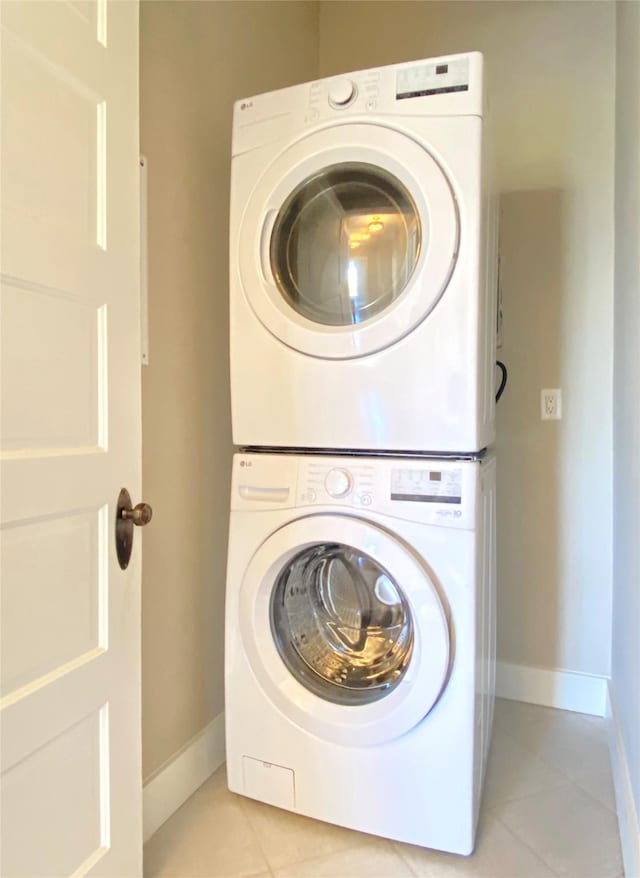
(567, 690)
(178, 779)
(628, 822)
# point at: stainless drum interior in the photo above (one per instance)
(341, 624)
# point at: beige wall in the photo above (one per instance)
(626, 571)
(196, 59)
(551, 75)
(552, 80)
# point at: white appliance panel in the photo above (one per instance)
(417, 375)
(419, 784)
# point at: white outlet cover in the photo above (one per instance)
(551, 404)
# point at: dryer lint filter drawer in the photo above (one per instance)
(268, 783)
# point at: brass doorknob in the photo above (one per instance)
(140, 515)
(126, 517)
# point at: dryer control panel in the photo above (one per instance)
(440, 77)
(451, 85)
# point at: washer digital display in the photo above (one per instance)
(427, 486)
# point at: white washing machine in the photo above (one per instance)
(360, 630)
(362, 262)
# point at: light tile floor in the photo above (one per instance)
(548, 810)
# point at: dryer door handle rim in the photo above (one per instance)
(265, 244)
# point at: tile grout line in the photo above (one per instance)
(611, 809)
(586, 794)
(350, 846)
(580, 791)
(568, 779)
(566, 782)
(334, 853)
(245, 811)
(529, 748)
(564, 778)
(331, 853)
(396, 846)
(569, 782)
(526, 845)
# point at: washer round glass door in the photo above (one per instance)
(341, 624)
(347, 241)
(344, 629)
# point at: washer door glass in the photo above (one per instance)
(341, 624)
(345, 244)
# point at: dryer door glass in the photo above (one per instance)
(345, 244)
(341, 624)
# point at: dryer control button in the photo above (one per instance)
(365, 499)
(338, 482)
(341, 92)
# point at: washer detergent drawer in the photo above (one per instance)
(268, 783)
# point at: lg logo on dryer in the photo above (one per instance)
(246, 105)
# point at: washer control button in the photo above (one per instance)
(365, 499)
(338, 482)
(371, 104)
(311, 495)
(341, 92)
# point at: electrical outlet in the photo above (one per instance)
(551, 404)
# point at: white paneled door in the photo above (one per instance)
(70, 428)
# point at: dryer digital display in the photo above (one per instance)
(433, 79)
(427, 486)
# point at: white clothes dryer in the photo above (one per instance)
(362, 262)
(360, 640)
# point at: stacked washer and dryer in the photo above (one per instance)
(360, 614)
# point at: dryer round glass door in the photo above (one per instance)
(347, 241)
(341, 624)
(345, 244)
(344, 629)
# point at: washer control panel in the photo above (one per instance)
(422, 490)
(351, 483)
(421, 485)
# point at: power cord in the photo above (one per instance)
(503, 379)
